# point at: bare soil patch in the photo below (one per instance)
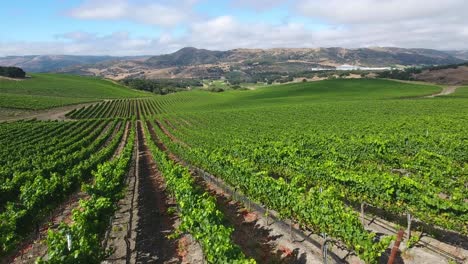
(12, 79)
(154, 221)
(121, 237)
(36, 245)
(255, 239)
(445, 91)
(452, 77)
(169, 134)
(57, 113)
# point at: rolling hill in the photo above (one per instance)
(200, 63)
(48, 63)
(448, 76)
(51, 90)
(321, 56)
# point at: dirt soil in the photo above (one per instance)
(135, 240)
(257, 239)
(121, 237)
(57, 113)
(453, 77)
(445, 91)
(169, 134)
(11, 79)
(426, 250)
(37, 246)
(154, 222)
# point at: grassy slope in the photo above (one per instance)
(461, 92)
(51, 90)
(303, 94)
(332, 121)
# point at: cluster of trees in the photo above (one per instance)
(450, 66)
(408, 73)
(405, 74)
(162, 86)
(12, 72)
(237, 77)
(270, 77)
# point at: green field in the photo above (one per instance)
(322, 148)
(43, 91)
(461, 92)
(359, 141)
(298, 94)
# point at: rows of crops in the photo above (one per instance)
(322, 149)
(91, 220)
(67, 156)
(42, 163)
(197, 209)
(400, 155)
(317, 209)
(126, 108)
(420, 171)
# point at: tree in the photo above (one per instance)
(12, 72)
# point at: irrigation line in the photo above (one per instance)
(285, 224)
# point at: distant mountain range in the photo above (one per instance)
(319, 56)
(460, 54)
(50, 63)
(201, 63)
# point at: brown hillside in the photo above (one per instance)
(458, 76)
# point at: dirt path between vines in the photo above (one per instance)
(445, 91)
(57, 113)
(120, 238)
(154, 222)
(169, 134)
(142, 225)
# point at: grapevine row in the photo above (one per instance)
(197, 210)
(80, 242)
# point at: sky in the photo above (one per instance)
(144, 27)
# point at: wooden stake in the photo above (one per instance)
(408, 231)
(363, 221)
(395, 247)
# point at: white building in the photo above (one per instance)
(347, 67)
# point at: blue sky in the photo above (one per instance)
(136, 27)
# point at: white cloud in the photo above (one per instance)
(76, 36)
(351, 24)
(378, 11)
(153, 13)
(99, 9)
(81, 43)
(259, 5)
(226, 32)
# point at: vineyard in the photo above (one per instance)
(43, 91)
(320, 158)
